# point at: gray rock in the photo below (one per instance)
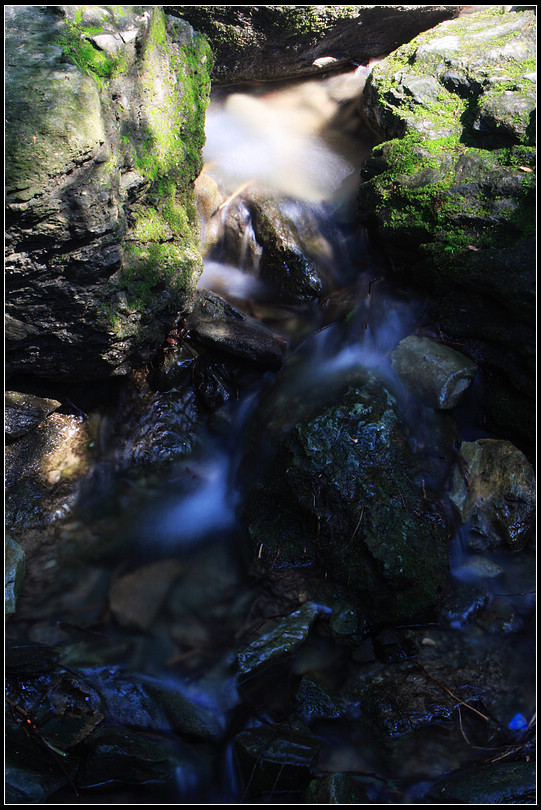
(136, 597)
(44, 470)
(435, 373)
(24, 412)
(494, 488)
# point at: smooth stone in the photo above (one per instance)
(435, 373)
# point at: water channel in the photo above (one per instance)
(305, 144)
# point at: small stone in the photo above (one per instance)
(436, 374)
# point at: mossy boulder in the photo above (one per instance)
(451, 192)
(342, 501)
(105, 123)
(278, 42)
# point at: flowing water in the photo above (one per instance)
(305, 143)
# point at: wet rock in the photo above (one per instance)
(394, 645)
(99, 264)
(24, 412)
(217, 324)
(275, 759)
(119, 755)
(314, 701)
(282, 640)
(208, 199)
(14, 570)
(44, 470)
(500, 617)
(286, 258)
(147, 704)
(272, 42)
(37, 780)
(435, 373)
(338, 500)
(478, 567)
(494, 488)
(136, 598)
(496, 783)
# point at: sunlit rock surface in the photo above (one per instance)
(102, 239)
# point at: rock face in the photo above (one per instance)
(105, 123)
(340, 502)
(452, 192)
(276, 42)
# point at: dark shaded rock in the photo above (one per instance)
(275, 759)
(215, 323)
(24, 412)
(14, 569)
(314, 701)
(338, 788)
(146, 704)
(496, 783)
(339, 500)
(99, 262)
(119, 755)
(277, 42)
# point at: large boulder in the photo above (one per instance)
(105, 123)
(344, 501)
(451, 191)
(276, 42)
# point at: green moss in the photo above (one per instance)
(77, 46)
(161, 254)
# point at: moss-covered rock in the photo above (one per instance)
(105, 123)
(341, 500)
(277, 42)
(451, 191)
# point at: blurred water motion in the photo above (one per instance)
(278, 140)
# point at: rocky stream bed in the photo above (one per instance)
(270, 496)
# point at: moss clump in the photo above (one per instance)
(75, 41)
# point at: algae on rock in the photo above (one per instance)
(105, 124)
